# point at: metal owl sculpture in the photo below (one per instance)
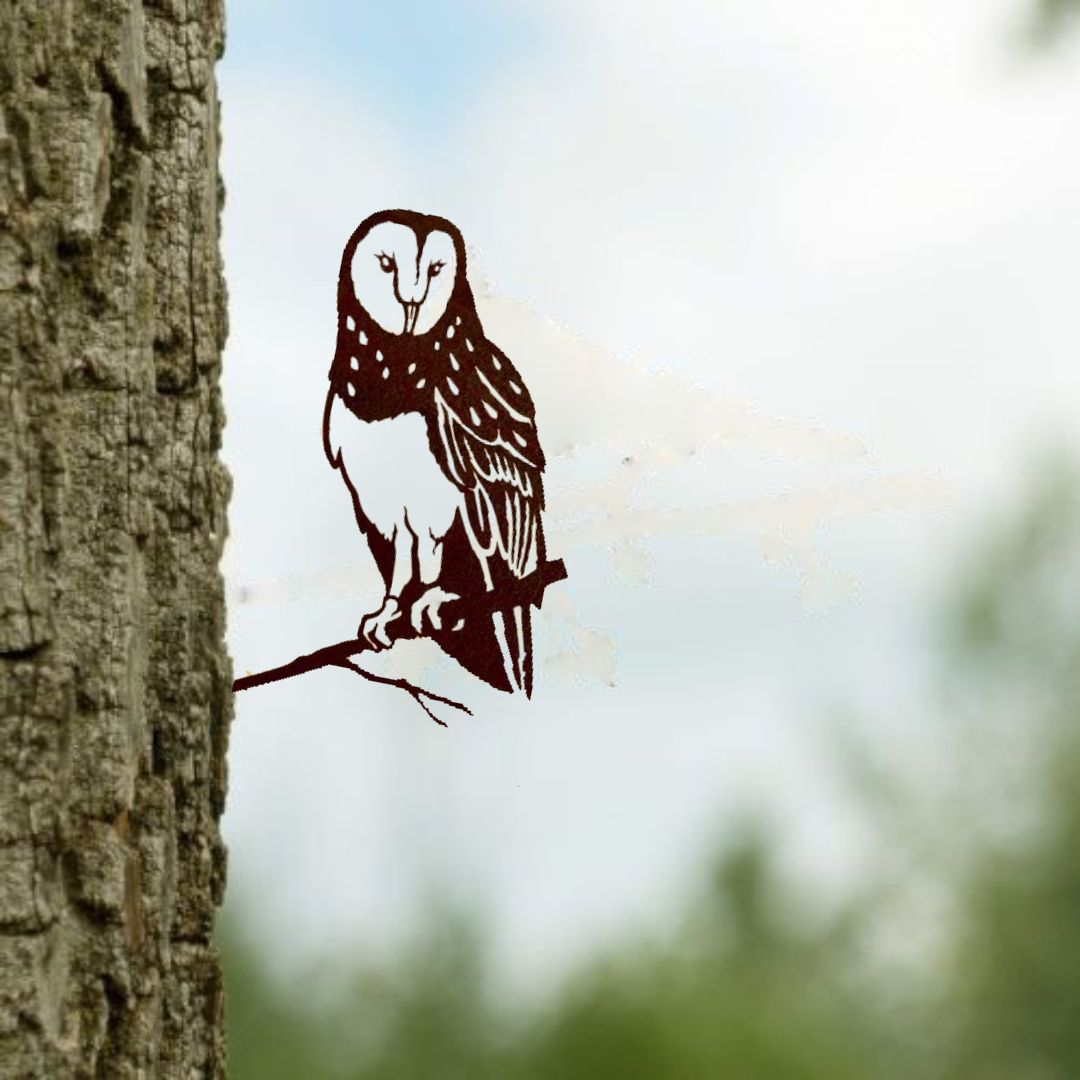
(433, 433)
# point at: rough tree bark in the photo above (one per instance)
(114, 684)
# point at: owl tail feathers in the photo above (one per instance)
(478, 650)
(513, 629)
(500, 653)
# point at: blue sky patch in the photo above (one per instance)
(423, 64)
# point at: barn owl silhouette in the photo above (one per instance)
(433, 433)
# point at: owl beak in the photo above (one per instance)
(412, 312)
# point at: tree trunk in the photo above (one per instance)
(114, 684)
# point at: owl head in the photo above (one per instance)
(405, 270)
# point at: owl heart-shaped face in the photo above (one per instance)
(404, 282)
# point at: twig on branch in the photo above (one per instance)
(415, 692)
(529, 590)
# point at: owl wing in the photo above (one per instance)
(487, 444)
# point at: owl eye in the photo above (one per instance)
(435, 269)
(387, 263)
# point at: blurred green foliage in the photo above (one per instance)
(747, 985)
(1055, 10)
(1053, 17)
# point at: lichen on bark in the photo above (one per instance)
(114, 683)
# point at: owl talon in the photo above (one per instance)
(428, 604)
(373, 627)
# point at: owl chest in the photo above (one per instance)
(390, 466)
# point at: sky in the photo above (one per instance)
(793, 287)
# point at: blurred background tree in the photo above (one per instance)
(1052, 17)
(747, 984)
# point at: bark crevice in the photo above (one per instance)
(114, 684)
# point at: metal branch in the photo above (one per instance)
(529, 590)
